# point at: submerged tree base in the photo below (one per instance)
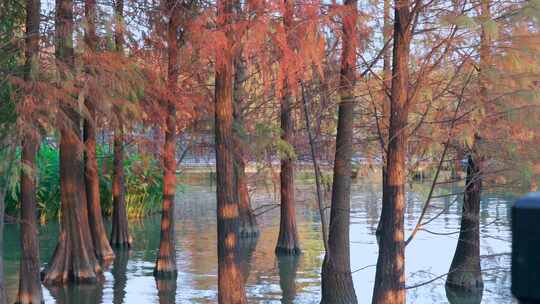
(165, 268)
(248, 230)
(457, 295)
(336, 286)
(280, 250)
(469, 281)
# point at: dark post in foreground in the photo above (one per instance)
(525, 246)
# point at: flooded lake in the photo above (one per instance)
(285, 280)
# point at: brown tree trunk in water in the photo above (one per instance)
(97, 228)
(337, 283)
(230, 281)
(166, 260)
(29, 280)
(465, 272)
(288, 242)
(247, 221)
(387, 77)
(120, 237)
(390, 273)
(74, 257)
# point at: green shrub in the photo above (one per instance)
(143, 180)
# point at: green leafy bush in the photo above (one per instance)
(143, 180)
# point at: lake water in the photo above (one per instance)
(286, 280)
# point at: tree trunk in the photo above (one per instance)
(465, 272)
(166, 261)
(337, 284)
(97, 228)
(247, 221)
(230, 281)
(74, 257)
(390, 273)
(29, 281)
(288, 242)
(120, 237)
(387, 77)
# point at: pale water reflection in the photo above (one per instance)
(285, 280)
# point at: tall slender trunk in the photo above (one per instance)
(74, 257)
(387, 83)
(120, 237)
(390, 273)
(247, 221)
(230, 281)
(337, 284)
(29, 281)
(120, 231)
(166, 261)
(465, 270)
(97, 228)
(288, 242)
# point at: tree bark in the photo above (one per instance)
(288, 242)
(465, 271)
(166, 261)
(247, 221)
(74, 258)
(230, 281)
(120, 237)
(390, 273)
(97, 228)
(29, 281)
(337, 284)
(387, 78)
